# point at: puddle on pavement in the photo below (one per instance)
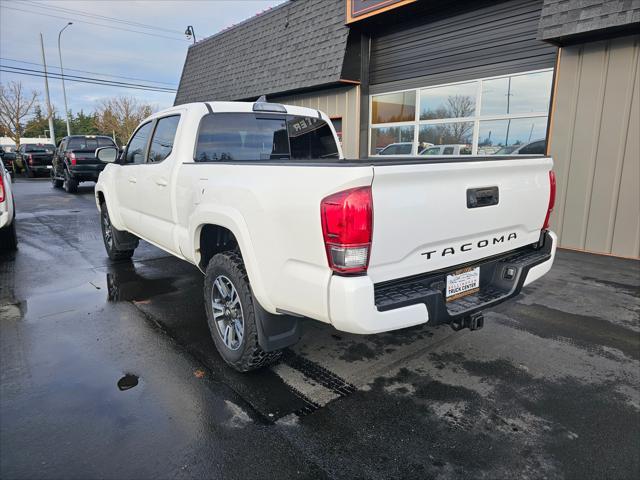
(124, 283)
(128, 382)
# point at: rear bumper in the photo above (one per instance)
(83, 173)
(356, 305)
(40, 168)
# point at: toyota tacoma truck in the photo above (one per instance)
(259, 197)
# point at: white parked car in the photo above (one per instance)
(8, 238)
(454, 149)
(400, 148)
(260, 199)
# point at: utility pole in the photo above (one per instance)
(46, 88)
(64, 90)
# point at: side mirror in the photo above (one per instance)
(107, 154)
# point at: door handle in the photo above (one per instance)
(161, 182)
(482, 197)
(132, 180)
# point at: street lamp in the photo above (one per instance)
(64, 91)
(190, 33)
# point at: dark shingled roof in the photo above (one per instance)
(296, 45)
(562, 20)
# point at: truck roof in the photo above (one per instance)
(239, 107)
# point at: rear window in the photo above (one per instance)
(246, 136)
(79, 143)
(39, 148)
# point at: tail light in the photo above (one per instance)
(552, 198)
(30, 159)
(347, 226)
(72, 156)
(2, 195)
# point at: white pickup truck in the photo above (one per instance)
(260, 199)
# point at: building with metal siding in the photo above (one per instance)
(478, 75)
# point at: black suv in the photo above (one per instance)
(75, 160)
(34, 158)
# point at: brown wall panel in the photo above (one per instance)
(594, 143)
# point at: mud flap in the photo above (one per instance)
(276, 332)
(124, 240)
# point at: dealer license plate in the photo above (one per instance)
(463, 282)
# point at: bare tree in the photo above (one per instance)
(121, 115)
(15, 106)
(460, 106)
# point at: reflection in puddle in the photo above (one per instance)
(124, 283)
(127, 382)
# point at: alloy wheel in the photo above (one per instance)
(227, 312)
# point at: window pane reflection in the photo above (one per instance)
(392, 140)
(458, 135)
(394, 107)
(453, 101)
(507, 136)
(517, 94)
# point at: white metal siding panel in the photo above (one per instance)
(594, 142)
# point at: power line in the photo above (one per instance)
(105, 83)
(92, 23)
(59, 76)
(87, 71)
(100, 17)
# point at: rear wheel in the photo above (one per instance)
(8, 237)
(231, 316)
(69, 184)
(108, 236)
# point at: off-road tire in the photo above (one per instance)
(8, 237)
(69, 184)
(55, 182)
(109, 245)
(249, 356)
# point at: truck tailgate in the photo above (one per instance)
(424, 221)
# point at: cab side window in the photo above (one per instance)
(137, 147)
(163, 138)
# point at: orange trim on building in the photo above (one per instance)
(352, 82)
(379, 6)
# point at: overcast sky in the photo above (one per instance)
(85, 46)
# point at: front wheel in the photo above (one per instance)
(108, 236)
(56, 183)
(8, 237)
(231, 316)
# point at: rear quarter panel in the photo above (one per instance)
(274, 212)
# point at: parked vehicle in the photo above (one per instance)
(260, 199)
(400, 148)
(8, 238)
(75, 161)
(8, 156)
(35, 158)
(454, 149)
(537, 147)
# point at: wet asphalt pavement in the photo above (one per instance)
(108, 371)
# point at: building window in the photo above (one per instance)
(488, 116)
(337, 125)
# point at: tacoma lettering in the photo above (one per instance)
(466, 247)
